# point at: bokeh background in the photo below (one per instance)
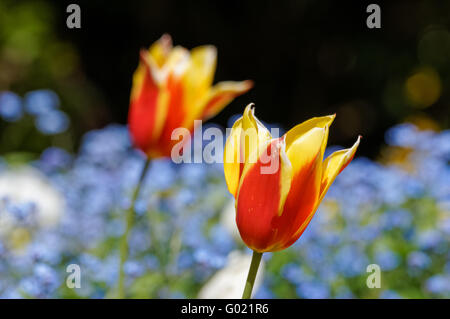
(63, 107)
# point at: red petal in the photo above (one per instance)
(299, 204)
(142, 113)
(257, 203)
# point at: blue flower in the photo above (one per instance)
(399, 218)
(387, 259)
(344, 293)
(54, 158)
(315, 254)
(185, 260)
(41, 102)
(429, 239)
(53, 122)
(42, 283)
(406, 135)
(351, 261)
(263, 292)
(418, 259)
(441, 145)
(161, 175)
(106, 147)
(134, 268)
(10, 107)
(438, 284)
(445, 226)
(176, 295)
(313, 290)
(390, 294)
(294, 273)
(221, 239)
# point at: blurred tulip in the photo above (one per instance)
(172, 87)
(273, 208)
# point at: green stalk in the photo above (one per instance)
(123, 250)
(256, 259)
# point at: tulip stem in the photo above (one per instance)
(256, 259)
(123, 249)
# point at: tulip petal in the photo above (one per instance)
(156, 106)
(303, 150)
(247, 140)
(159, 51)
(173, 93)
(258, 198)
(331, 167)
(254, 136)
(232, 163)
(304, 127)
(305, 155)
(222, 94)
(197, 81)
(334, 165)
(170, 111)
(145, 114)
(200, 74)
(176, 64)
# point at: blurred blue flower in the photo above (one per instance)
(134, 268)
(344, 293)
(418, 259)
(407, 135)
(351, 261)
(399, 218)
(162, 175)
(185, 260)
(10, 107)
(441, 145)
(263, 292)
(193, 174)
(221, 239)
(176, 295)
(313, 290)
(294, 273)
(53, 122)
(41, 102)
(54, 158)
(42, 283)
(315, 254)
(387, 259)
(109, 148)
(438, 284)
(429, 239)
(390, 294)
(445, 226)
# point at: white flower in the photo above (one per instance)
(229, 282)
(26, 185)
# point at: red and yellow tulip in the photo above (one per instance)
(274, 208)
(172, 87)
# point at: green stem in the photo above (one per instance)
(256, 259)
(129, 225)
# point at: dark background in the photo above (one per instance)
(307, 58)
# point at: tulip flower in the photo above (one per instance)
(278, 183)
(172, 87)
